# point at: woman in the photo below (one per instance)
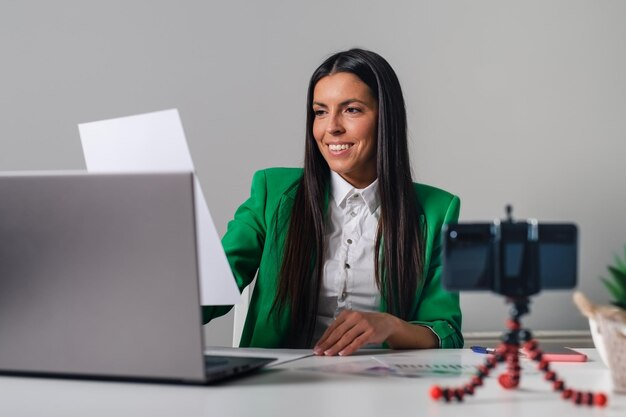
(312, 233)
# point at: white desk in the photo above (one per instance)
(293, 390)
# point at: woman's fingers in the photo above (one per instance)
(355, 345)
(343, 339)
(332, 334)
(348, 333)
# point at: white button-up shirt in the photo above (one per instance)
(349, 281)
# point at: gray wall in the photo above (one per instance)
(509, 102)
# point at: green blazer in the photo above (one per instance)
(255, 237)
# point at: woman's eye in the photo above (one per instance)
(318, 113)
(353, 110)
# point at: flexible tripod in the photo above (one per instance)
(508, 351)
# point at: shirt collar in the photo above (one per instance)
(342, 189)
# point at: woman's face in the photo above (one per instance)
(346, 115)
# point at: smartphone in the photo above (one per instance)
(505, 258)
(560, 354)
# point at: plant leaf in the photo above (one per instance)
(619, 276)
(618, 293)
(616, 284)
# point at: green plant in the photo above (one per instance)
(616, 283)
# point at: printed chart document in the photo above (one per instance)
(155, 142)
(412, 363)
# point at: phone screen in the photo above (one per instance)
(558, 256)
(467, 257)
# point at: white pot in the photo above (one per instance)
(598, 342)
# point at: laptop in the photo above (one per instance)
(99, 279)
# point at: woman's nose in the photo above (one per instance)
(335, 127)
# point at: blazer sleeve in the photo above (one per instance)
(244, 241)
(437, 308)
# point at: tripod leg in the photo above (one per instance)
(511, 378)
(482, 371)
(578, 397)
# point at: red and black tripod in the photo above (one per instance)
(508, 351)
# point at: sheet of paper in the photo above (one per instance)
(377, 366)
(413, 364)
(417, 366)
(155, 142)
(281, 355)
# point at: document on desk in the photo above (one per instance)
(155, 142)
(281, 355)
(396, 367)
(409, 364)
(419, 365)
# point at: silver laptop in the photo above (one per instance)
(99, 279)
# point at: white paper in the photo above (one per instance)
(156, 142)
(408, 364)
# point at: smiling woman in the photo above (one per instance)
(346, 113)
(346, 250)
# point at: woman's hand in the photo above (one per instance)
(353, 329)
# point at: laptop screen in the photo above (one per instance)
(99, 276)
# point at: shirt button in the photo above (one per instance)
(349, 241)
(347, 266)
(343, 295)
(353, 214)
(355, 196)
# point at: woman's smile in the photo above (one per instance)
(339, 149)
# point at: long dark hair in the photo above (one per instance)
(399, 264)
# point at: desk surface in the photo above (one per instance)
(296, 389)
